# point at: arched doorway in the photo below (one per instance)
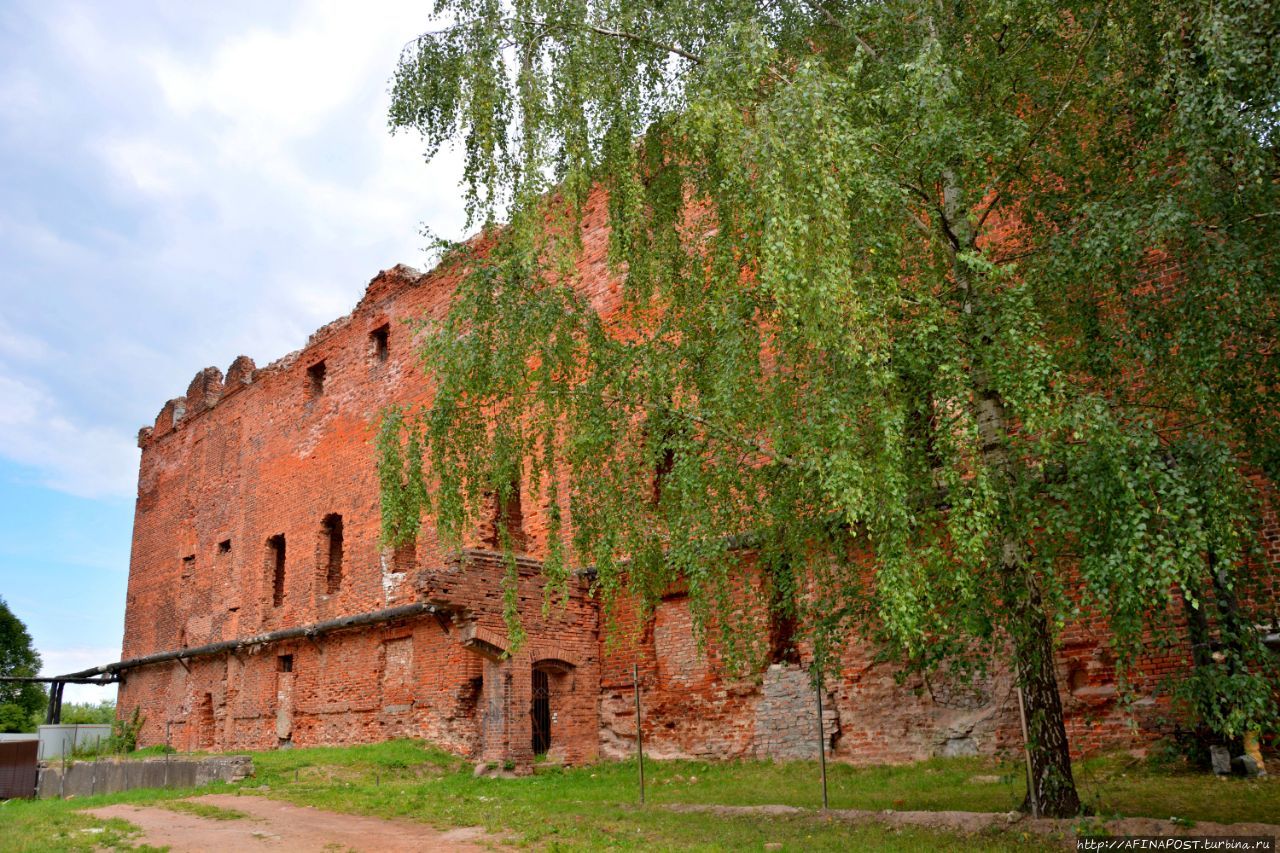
(550, 689)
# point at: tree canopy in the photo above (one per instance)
(19, 703)
(985, 289)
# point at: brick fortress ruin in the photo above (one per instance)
(258, 512)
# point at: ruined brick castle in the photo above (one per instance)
(267, 612)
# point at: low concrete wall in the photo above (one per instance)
(110, 776)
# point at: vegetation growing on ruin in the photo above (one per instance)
(986, 289)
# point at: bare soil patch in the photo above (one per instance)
(273, 825)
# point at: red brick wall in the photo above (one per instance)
(696, 705)
(259, 453)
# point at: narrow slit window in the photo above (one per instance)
(782, 638)
(284, 663)
(224, 547)
(661, 471)
(315, 378)
(275, 564)
(331, 552)
(665, 435)
(508, 519)
(381, 340)
(188, 568)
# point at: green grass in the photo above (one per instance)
(593, 807)
(157, 751)
(39, 826)
(1119, 785)
(582, 808)
(596, 805)
(203, 810)
(36, 827)
(1111, 785)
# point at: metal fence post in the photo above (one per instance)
(822, 741)
(635, 678)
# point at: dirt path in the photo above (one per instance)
(967, 823)
(276, 826)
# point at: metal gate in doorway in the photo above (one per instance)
(541, 712)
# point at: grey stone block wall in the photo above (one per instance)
(786, 723)
(110, 776)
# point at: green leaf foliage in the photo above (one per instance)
(963, 315)
(20, 703)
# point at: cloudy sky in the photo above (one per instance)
(180, 183)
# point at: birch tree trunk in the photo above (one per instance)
(1028, 623)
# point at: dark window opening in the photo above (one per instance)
(541, 712)
(381, 338)
(188, 568)
(206, 723)
(284, 663)
(331, 548)
(224, 547)
(507, 518)
(275, 564)
(782, 638)
(920, 430)
(664, 434)
(315, 378)
(663, 470)
(469, 694)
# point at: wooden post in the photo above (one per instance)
(635, 678)
(1026, 749)
(822, 742)
(53, 698)
(54, 714)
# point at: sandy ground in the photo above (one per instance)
(277, 826)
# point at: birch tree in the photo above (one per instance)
(984, 290)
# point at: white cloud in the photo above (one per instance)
(199, 184)
(76, 659)
(21, 98)
(71, 456)
(19, 345)
(150, 167)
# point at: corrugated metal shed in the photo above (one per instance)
(18, 768)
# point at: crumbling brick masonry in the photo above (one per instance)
(258, 510)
